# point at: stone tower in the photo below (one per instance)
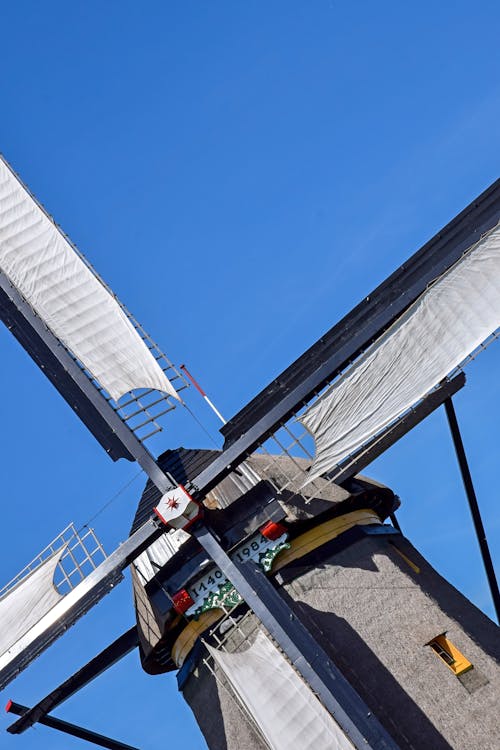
(420, 655)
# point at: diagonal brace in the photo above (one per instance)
(95, 667)
(473, 504)
(73, 729)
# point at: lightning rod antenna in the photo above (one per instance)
(202, 392)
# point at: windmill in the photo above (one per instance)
(223, 540)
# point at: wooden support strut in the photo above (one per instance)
(95, 667)
(73, 729)
(473, 504)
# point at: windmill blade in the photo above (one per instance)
(262, 417)
(58, 366)
(394, 432)
(75, 329)
(69, 297)
(75, 604)
(72, 325)
(80, 391)
(28, 601)
(458, 312)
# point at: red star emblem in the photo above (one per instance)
(172, 503)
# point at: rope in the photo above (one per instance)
(111, 500)
(202, 426)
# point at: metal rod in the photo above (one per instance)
(93, 669)
(473, 504)
(318, 671)
(72, 729)
(394, 521)
(202, 393)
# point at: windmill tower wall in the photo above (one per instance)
(374, 614)
(374, 604)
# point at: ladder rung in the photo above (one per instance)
(135, 398)
(150, 434)
(144, 408)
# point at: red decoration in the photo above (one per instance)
(272, 530)
(182, 601)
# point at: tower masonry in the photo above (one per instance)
(423, 658)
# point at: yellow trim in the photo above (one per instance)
(406, 559)
(459, 663)
(323, 533)
(193, 629)
(300, 546)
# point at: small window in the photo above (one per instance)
(450, 654)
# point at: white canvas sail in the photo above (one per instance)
(76, 306)
(25, 604)
(447, 322)
(285, 710)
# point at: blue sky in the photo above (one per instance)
(241, 174)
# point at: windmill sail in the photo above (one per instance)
(435, 335)
(67, 295)
(26, 604)
(273, 693)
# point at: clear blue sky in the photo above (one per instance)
(241, 174)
